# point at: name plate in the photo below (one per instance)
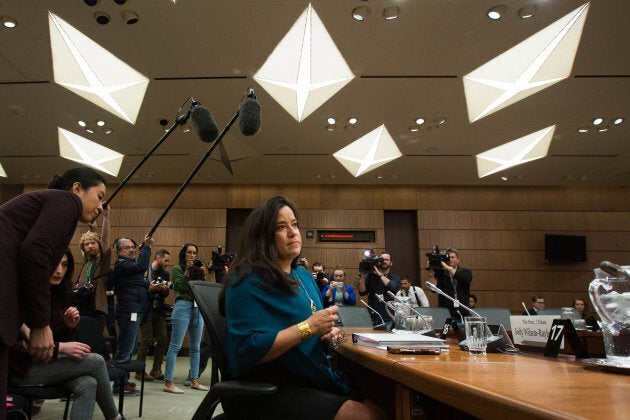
(532, 330)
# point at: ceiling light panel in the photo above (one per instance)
(369, 152)
(81, 150)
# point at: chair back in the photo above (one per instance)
(354, 316)
(439, 314)
(206, 295)
(87, 332)
(550, 311)
(496, 316)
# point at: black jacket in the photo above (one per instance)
(129, 283)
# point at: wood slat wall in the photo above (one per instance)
(498, 230)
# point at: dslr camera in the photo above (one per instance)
(198, 262)
(221, 259)
(436, 257)
(366, 265)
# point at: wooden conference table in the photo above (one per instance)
(494, 386)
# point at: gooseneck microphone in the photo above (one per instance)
(203, 123)
(614, 269)
(525, 307)
(250, 115)
(436, 289)
(382, 325)
(411, 308)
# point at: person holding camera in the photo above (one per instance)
(319, 275)
(185, 317)
(154, 326)
(337, 292)
(454, 281)
(379, 282)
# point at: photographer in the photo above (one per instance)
(337, 292)
(154, 327)
(452, 280)
(379, 281)
(320, 276)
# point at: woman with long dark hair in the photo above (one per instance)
(72, 365)
(36, 229)
(276, 327)
(185, 317)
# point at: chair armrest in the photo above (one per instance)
(241, 388)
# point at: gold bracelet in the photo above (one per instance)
(305, 330)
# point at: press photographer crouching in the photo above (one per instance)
(443, 266)
(376, 279)
(220, 263)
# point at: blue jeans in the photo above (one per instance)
(127, 338)
(185, 317)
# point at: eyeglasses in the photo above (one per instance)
(129, 247)
(541, 303)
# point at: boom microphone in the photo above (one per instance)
(250, 113)
(203, 123)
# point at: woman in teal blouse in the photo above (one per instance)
(276, 327)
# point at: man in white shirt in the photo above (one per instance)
(418, 298)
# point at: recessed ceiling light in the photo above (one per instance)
(602, 129)
(100, 123)
(331, 127)
(414, 128)
(352, 120)
(109, 131)
(618, 120)
(391, 13)
(379, 176)
(504, 178)
(419, 121)
(497, 11)
(361, 13)
(440, 121)
(8, 22)
(82, 123)
(583, 130)
(331, 120)
(89, 130)
(527, 11)
(598, 121)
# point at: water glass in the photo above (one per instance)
(476, 334)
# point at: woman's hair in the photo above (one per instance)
(60, 295)
(182, 254)
(87, 177)
(585, 311)
(257, 248)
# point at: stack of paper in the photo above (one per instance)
(383, 340)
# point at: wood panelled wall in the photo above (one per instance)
(499, 231)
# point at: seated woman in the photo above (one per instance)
(277, 329)
(73, 365)
(581, 306)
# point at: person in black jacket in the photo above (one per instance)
(131, 289)
(455, 282)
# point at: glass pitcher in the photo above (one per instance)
(611, 300)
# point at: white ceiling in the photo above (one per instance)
(405, 68)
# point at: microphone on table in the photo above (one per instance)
(525, 307)
(614, 269)
(495, 342)
(203, 122)
(411, 308)
(382, 325)
(250, 114)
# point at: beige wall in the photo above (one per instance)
(498, 230)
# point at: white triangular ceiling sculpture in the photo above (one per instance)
(305, 69)
(89, 70)
(79, 149)
(540, 61)
(531, 147)
(2, 172)
(374, 149)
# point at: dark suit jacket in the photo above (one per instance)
(36, 228)
(464, 278)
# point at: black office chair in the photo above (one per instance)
(354, 316)
(206, 295)
(41, 392)
(88, 332)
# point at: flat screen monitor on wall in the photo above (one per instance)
(565, 248)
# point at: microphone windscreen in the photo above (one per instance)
(249, 119)
(204, 124)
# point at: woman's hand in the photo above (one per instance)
(71, 317)
(75, 349)
(322, 322)
(41, 343)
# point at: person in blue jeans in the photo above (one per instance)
(185, 317)
(132, 303)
